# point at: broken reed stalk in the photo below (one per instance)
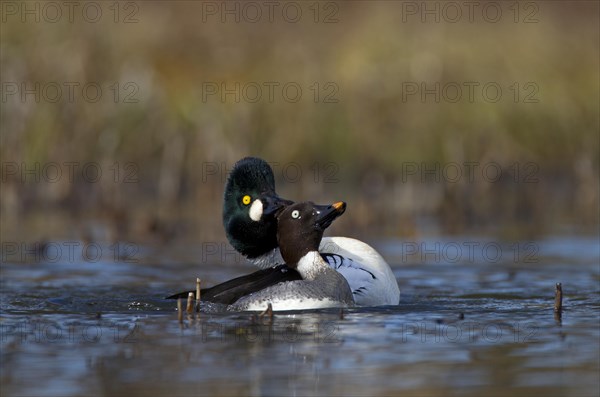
(179, 311)
(268, 312)
(558, 298)
(190, 303)
(197, 295)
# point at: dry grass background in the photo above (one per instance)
(370, 55)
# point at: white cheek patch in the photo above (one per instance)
(256, 210)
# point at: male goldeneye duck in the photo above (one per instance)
(299, 232)
(250, 206)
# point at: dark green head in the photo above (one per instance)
(249, 208)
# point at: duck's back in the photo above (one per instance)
(370, 277)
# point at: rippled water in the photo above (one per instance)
(470, 322)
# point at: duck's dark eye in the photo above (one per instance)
(246, 200)
(295, 214)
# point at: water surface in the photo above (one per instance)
(478, 324)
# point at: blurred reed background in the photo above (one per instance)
(360, 134)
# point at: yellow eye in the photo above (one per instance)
(246, 200)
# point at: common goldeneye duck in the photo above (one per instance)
(249, 207)
(299, 233)
(249, 218)
(371, 279)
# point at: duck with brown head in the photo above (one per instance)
(299, 233)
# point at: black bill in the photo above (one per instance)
(326, 214)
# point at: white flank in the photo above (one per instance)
(295, 304)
